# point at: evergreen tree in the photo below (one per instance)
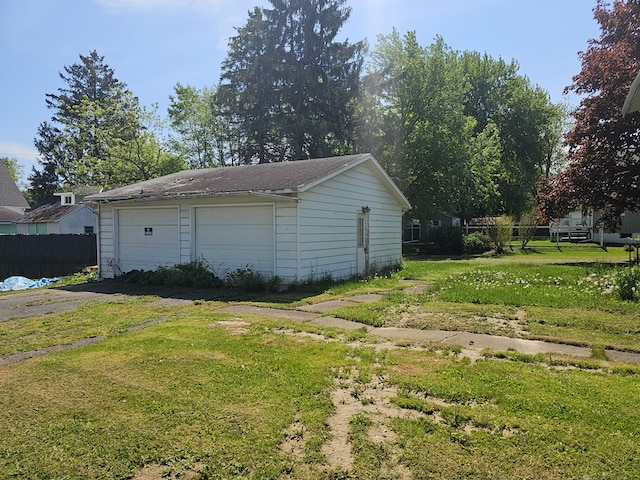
(290, 86)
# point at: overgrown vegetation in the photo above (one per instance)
(198, 274)
(207, 393)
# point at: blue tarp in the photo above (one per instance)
(23, 283)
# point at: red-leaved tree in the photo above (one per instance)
(604, 145)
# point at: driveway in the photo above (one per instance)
(63, 299)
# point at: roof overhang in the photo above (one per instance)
(284, 196)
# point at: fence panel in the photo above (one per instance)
(36, 256)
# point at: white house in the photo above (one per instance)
(61, 216)
(297, 220)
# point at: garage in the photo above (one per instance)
(230, 237)
(147, 238)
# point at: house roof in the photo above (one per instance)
(10, 195)
(283, 178)
(49, 213)
(8, 215)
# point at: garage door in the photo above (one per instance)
(148, 238)
(233, 237)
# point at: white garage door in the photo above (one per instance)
(232, 237)
(148, 238)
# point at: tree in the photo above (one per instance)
(604, 161)
(529, 125)
(195, 119)
(15, 169)
(425, 140)
(97, 131)
(289, 85)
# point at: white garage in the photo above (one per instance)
(302, 220)
(147, 238)
(231, 237)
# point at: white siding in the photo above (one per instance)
(285, 231)
(328, 215)
(311, 238)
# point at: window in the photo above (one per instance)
(88, 229)
(360, 231)
(435, 223)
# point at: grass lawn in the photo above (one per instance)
(216, 396)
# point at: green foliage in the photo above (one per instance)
(458, 131)
(199, 127)
(193, 274)
(99, 135)
(476, 242)
(251, 281)
(288, 86)
(15, 169)
(527, 227)
(627, 282)
(500, 230)
(444, 241)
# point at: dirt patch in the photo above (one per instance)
(235, 327)
(163, 472)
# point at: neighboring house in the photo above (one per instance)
(578, 227)
(12, 202)
(296, 220)
(444, 220)
(60, 216)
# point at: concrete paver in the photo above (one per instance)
(327, 306)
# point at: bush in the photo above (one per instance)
(444, 241)
(628, 282)
(193, 274)
(476, 242)
(500, 231)
(250, 281)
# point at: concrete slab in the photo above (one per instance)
(366, 298)
(623, 357)
(327, 306)
(336, 322)
(480, 341)
(269, 312)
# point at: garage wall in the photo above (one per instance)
(248, 238)
(328, 215)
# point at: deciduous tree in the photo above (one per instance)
(604, 160)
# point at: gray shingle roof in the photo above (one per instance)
(10, 195)
(282, 178)
(50, 212)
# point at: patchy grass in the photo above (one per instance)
(217, 395)
(515, 420)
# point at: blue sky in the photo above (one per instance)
(154, 44)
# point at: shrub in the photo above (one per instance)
(627, 282)
(250, 281)
(444, 241)
(527, 228)
(476, 242)
(500, 231)
(193, 274)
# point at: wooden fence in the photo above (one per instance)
(37, 256)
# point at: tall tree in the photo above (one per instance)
(529, 125)
(604, 160)
(425, 139)
(289, 84)
(198, 124)
(95, 121)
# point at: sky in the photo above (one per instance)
(154, 44)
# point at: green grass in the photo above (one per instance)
(215, 396)
(515, 420)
